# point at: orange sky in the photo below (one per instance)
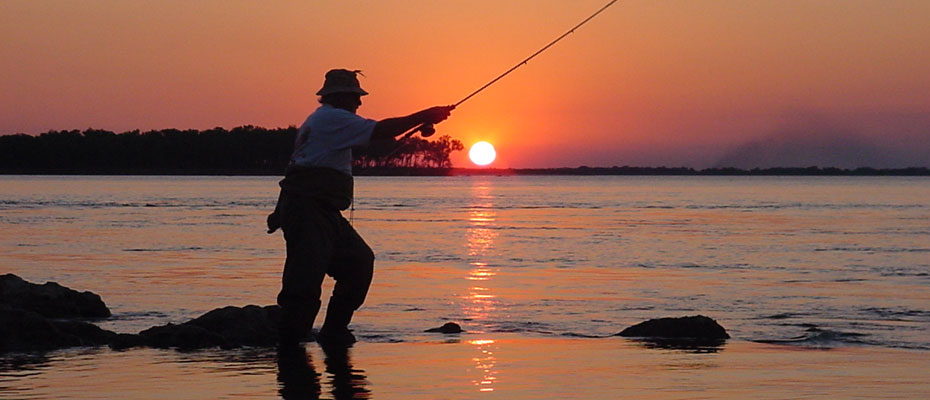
(646, 83)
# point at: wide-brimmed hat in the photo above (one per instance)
(341, 81)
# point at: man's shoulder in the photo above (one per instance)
(326, 109)
(328, 114)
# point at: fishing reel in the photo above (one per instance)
(426, 130)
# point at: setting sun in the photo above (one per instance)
(482, 153)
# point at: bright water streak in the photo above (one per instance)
(769, 257)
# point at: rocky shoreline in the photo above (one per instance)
(50, 316)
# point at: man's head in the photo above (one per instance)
(342, 90)
(346, 101)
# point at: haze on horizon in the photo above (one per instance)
(700, 83)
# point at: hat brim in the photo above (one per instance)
(330, 90)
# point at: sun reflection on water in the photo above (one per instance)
(485, 363)
(481, 302)
(480, 236)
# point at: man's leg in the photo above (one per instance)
(309, 251)
(352, 267)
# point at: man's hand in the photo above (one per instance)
(437, 114)
(393, 127)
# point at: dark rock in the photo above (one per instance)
(30, 316)
(123, 341)
(448, 327)
(90, 334)
(22, 330)
(225, 327)
(27, 311)
(694, 327)
(26, 330)
(247, 326)
(51, 299)
(182, 337)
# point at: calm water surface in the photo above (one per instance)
(821, 262)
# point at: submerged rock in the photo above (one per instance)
(696, 327)
(448, 327)
(23, 330)
(51, 299)
(225, 327)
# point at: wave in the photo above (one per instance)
(133, 315)
(805, 206)
(522, 327)
(816, 337)
(877, 249)
(919, 274)
(192, 248)
(786, 315)
(170, 203)
(904, 315)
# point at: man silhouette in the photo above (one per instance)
(318, 184)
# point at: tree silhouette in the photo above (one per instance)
(242, 150)
(250, 150)
(413, 152)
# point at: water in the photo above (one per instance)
(816, 262)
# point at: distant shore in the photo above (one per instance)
(256, 151)
(626, 170)
(576, 171)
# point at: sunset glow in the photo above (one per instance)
(480, 199)
(645, 83)
(482, 153)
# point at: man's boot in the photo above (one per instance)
(295, 325)
(335, 330)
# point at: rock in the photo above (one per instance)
(694, 327)
(123, 341)
(247, 326)
(26, 330)
(89, 334)
(182, 337)
(225, 327)
(23, 330)
(27, 311)
(51, 299)
(30, 316)
(448, 327)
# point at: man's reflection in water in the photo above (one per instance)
(347, 383)
(299, 379)
(296, 374)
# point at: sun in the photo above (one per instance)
(482, 153)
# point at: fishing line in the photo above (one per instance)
(428, 130)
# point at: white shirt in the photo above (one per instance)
(327, 136)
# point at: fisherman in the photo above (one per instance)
(318, 184)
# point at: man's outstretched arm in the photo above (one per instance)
(393, 127)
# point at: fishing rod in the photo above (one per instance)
(427, 130)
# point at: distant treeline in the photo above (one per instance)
(249, 150)
(246, 150)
